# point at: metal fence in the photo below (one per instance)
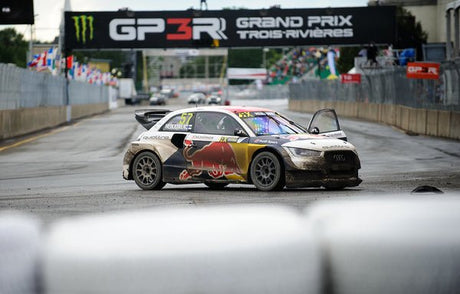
(21, 88)
(261, 92)
(388, 86)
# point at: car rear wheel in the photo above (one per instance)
(216, 186)
(147, 171)
(266, 172)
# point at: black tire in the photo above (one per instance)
(267, 172)
(216, 186)
(147, 171)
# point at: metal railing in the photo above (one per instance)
(21, 88)
(388, 86)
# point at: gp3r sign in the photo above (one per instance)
(423, 70)
(229, 28)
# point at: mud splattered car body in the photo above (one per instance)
(231, 144)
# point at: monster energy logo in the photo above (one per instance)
(82, 24)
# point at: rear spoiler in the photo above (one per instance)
(149, 117)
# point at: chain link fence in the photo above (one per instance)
(388, 86)
(21, 88)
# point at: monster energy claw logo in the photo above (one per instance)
(81, 31)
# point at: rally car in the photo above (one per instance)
(233, 144)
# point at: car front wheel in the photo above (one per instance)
(147, 171)
(266, 172)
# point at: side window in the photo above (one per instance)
(215, 123)
(180, 123)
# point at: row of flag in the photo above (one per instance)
(52, 61)
(46, 61)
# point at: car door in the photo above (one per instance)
(174, 131)
(325, 122)
(211, 150)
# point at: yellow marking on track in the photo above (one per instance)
(31, 139)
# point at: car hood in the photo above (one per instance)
(307, 141)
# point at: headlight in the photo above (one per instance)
(303, 152)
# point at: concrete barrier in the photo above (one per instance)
(454, 125)
(22, 121)
(439, 123)
(18, 122)
(79, 111)
(444, 123)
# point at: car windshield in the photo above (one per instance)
(270, 123)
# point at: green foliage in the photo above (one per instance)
(198, 64)
(13, 47)
(245, 57)
(346, 60)
(409, 32)
(273, 56)
(117, 58)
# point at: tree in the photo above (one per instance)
(245, 57)
(117, 58)
(409, 32)
(13, 47)
(346, 60)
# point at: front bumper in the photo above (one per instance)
(333, 169)
(296, 179)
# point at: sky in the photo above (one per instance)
(48, 12)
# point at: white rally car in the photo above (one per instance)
(233, 144)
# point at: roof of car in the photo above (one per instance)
(234, 109)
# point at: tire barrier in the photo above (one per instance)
(19, 253)
(408, 244)
(389, 245)
(239, 249)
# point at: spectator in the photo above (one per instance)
(372, 54)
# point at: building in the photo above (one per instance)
(433, 15)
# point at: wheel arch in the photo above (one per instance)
(130, 175)
(269, 149)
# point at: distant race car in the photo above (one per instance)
(214, 99)
(158, 99)
(196, 98)
(232, 144)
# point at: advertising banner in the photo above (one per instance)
(422, 70)
(16, 12)
(230, 28)
(350, 78)
(247, 73)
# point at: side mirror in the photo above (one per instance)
(240, 133)
(314, 131)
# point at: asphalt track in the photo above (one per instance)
(76, 169)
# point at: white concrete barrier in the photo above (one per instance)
(204, 250)
(19, 253)
(386, 245)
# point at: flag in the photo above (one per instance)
(41, 66)
(34, 61)
(69, 62)
(50, 59)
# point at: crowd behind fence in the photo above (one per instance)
(21, 88)
(388, 86)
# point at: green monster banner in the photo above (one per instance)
(230, 28)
